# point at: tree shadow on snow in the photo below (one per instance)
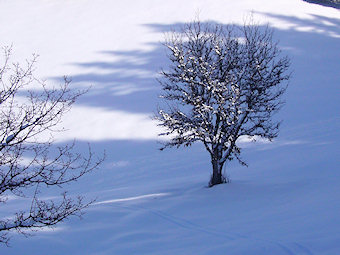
(310, 116)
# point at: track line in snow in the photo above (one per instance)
(303, 248)
(186, 224)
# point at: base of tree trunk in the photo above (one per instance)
(219, 179)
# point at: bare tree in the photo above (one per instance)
(224, 82)
(27, 162)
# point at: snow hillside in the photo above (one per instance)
(150, 202)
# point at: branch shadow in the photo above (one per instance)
(326, 3)
(128, 82)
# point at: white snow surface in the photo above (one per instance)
(152, 202)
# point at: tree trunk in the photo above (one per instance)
(217, 176)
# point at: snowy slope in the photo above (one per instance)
(152, 202)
